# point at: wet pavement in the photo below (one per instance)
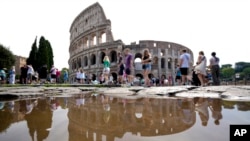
(113, 114)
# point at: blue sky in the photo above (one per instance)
(222, 26)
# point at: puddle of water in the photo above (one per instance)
(104, 118)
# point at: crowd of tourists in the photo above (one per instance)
(200, 74)
(29, 76)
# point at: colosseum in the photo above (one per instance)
(91, 39)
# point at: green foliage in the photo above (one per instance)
(50, 55)
(240, 66)
(7, 59)
(227, 73)
(32, 59)
(226, 66)
(42, 55)
(246, 72)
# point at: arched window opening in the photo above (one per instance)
(85, 61)
(103, 38)
(102, 55)
(113, 56)
(169, 63)
(162, 63)
(93, 59)
(94, 40)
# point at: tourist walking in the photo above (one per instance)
(78, 76)
(184, 65)
(146, 66)
(24, 71)
(106, 69)
(53, 74)
(215, 69)
(200, 68)
(30, 73)
(2, 76)
(12, 75)
(65, 76)
(121, 68)
(178, 75)
(128, 66)
(82, 76)
(43, 74)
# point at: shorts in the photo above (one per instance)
(120, 72)
(146, 66)
(53, 76)
(29, 76)
(128, 71)
(178, 77)
(184, 71)
(106, 70)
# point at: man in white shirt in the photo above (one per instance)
(184, 65)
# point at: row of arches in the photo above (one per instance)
(90, 41)
(91, 59)
(170, 61)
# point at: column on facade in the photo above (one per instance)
(98, 38)
(97, 58)
(109, 36)
(89, 60)
(89, 41)
(166, 61)
(159, 62)
(173, 66)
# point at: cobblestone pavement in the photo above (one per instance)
(239, 93)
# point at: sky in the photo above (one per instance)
(222, 26)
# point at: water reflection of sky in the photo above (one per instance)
(108, 118)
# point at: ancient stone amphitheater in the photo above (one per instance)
(91, 39)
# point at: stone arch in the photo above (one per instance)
(85, 61)
(113, 56)
(162, 53)
(102, 55)
(169, 63)
(79, 62)
(85, 42)
(162, 63)
(103, 37)
(94, 40)
(93, 59)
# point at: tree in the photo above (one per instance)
(50, 54)
(227, 73)
(42, 53)
(226, 66)
(246, 72)
(7, 59)
(240, 66)
(32, 59)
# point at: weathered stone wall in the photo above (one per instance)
(91, 39)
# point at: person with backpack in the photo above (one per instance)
(215, 69)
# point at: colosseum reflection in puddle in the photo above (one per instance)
(111, 118)
(91, 39)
